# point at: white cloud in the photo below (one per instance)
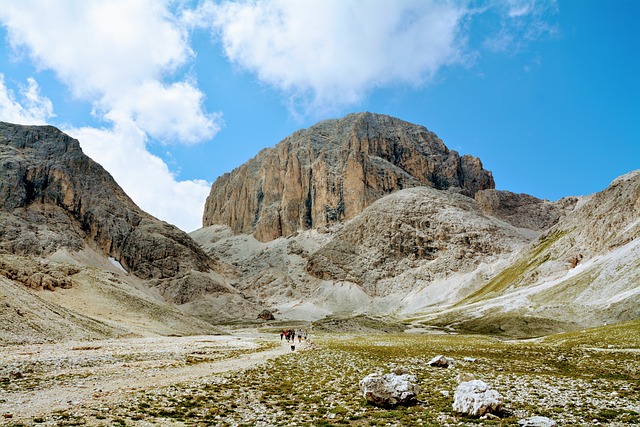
(521, 21)
(167, 112)
(105, 51)
(144, 177)
(119, 55)
(37, 109)
(332, 52)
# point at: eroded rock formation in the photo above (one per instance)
(52, 197)
(332, 171)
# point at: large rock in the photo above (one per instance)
(330, 172)
(439, 361)
(476, 398)
(53, 197)
(389, 390)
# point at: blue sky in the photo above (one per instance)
(168, 95)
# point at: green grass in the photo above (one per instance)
(511, 275)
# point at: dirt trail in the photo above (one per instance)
(36, 380)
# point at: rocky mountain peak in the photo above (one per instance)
(332, 171)
(53, 197)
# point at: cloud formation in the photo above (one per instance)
(29, 108)
(111, 53)
(333, 52)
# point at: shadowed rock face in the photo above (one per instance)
(523, 210)
(332, 171)
(53, 196)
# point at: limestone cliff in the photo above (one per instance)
(332, 171)
(523, 210)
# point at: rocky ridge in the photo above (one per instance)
(54, 197)
(332, 171)
(62, 216)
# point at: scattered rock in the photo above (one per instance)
(440, 362)
(15, 374)
(389, 390)
(266, 315)
(489, 416)
(476, 398)
(537, 421)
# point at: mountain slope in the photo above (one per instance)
(59, 207)
(584, 271)
(409, 250)
(53, 196)
(370, 214)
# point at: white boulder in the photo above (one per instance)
(476, 398)
(389, 390)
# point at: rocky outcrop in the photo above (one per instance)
(523, 210)
(332, 171)
(52, 197)
(476, 398)
(436, 233)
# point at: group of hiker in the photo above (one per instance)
(290, 336)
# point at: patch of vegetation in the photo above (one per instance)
(512, 274)
(360, 323)
(564, 377)
(624, 335)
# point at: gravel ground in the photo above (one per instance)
(580, 379)
(74, 379)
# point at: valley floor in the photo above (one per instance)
(49, 383)
(254, 379)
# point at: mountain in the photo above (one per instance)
(364, 216)
(584, 271)
(332, 171)
(372, 215)
(61, 213)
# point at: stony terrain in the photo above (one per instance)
(330, 172)
(585, 378)
(55, 383)
(92, 304)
